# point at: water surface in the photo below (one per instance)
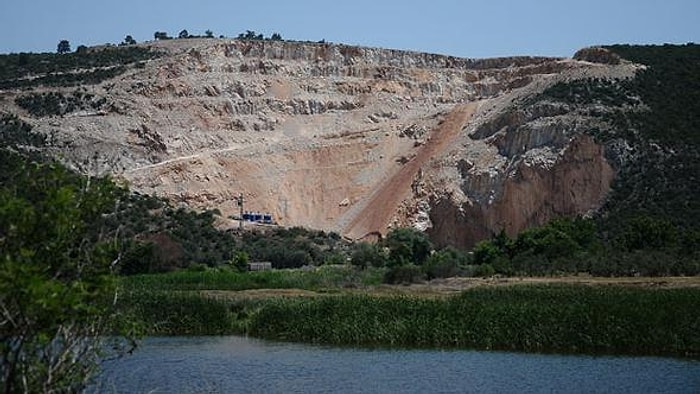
(243, 365)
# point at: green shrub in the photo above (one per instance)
(444, 263)
(407, 246)
(484, 270)
(368, 255)
(404, 274)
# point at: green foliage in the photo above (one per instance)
(662, 127)
(17, 135)
(404, 274)
(644, 232)
(321, 278)
(577, 245)
(240, 261)
(484, 271)
(56, 288)
(292, 248)
(444, 263)
(367, 254)
(139, 257)
(653, 206)
(180, 313)
(163, 238)
(252, 35)
(25, 70)
(57, 103)
(577, 319)
(610, 93)
(128, 40)
(63, 47)
(486, 252)
(662, 179)
(407, 246)
(161, 35)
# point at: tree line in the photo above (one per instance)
(64, 46)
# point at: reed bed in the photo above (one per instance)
(532, 318)
(325, 277)
(179, 313)
(576, 319)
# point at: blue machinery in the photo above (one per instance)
(257, 217)
(253, 217)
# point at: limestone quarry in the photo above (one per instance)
(347, 139)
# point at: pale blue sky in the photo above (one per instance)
(484, 28)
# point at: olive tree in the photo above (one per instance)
(63, 46)
(57, 294)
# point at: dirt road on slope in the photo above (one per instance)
(378, 209)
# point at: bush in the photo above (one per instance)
(444, 263)
(368, 255)
(404, 274)
(407, 246)
(484, 271)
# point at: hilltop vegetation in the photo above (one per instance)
(657, 114)
(89, 66)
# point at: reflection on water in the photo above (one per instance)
(243, 365)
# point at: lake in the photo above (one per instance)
(234, 364)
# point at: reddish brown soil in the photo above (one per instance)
(383, 203)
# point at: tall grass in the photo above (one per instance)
(568, 318)
(179, 313)
(171, 304)
(533, 318)
(324, 277)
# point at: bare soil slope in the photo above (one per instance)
(378, 210)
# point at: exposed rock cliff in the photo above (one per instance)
(348, 139)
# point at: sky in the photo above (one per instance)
(465, 28)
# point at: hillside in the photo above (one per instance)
(333, 137)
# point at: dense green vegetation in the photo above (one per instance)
(662, 179)
(56, 265)
(57, 103)
(642, 246)
(658, 114)
(578, 319)
(325, 278)
(17, 136)
(26, 70)
(294, 247)
(171, 304)
(409, 257)
(524, 318)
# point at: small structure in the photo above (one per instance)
(260, 266)
(258, 217)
